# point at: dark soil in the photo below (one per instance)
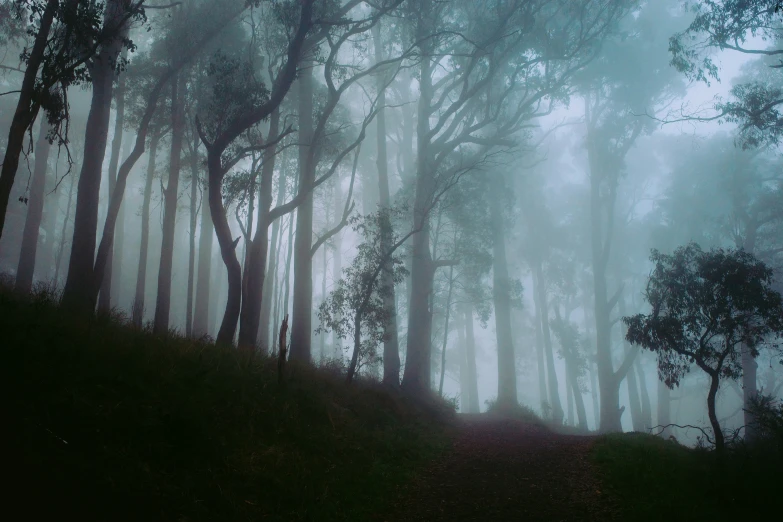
(502, 469)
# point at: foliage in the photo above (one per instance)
(768, 417)
(654, 479)
(728, 25)
(360, 292)
(704, 305)
(117, 424)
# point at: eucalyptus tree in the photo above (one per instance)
(630, 78)
(506, 63)
(86, 268)
(730, 25)
(73, 43)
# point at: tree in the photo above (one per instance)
(728, 25)
(357, 307)
(705, 306)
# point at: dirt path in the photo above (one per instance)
(505, 470)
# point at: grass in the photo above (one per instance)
(110, 423)
(655, 479)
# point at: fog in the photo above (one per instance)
(487, 177)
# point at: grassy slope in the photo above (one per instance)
(655, 480)
(116, 424)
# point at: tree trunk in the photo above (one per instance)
(664, 408)
(416, 378)
(718, 433)
(271, 272)
(645, 396)
(470, 351)
(541, 364)
(35, 203)
(26, 109)
(569, 395)
(507, 379)
(206, 237)
(163, 300)
(579, 402)
(255, 270)
(337, 268)
(322, 336)
(51, 211)
(446, 332)
(192, 239)
(749, 393)
(464, 387)
(63, 232)
(289, 255)
(301, 331)
(391, 347)
(104, 297)
(141, 273)
(119, 241)
(80, 290)
(542, 309)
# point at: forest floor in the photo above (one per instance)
(501, 469)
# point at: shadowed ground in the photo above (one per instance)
(501, 469)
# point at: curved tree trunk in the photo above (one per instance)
(27, 257)
(137, 316)
(717, 432)
(104, 297)
(255, 270)
(204, 280)
(26, 109)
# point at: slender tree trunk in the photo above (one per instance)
(717, 432)
(645, 396)
(337, 268)
(446, 332)
(416, 378)
(80, 290)
(579, 402)
(470, 350)
(464, 387)
(322, 336)
(51, 211)
(391, 347)
(630, 379)
(35, 203)
(26, 109)
(192, 239)
(163, 300)
(569, 395)
(301, 332)
(252, 298)
(104, 297)
(63, 232)
(541, 364)
(205, 240)
(543, 313)
(664, 408)
(271, 272)
(507, 379)
(141, 273)
(119, 241)
(289, 255)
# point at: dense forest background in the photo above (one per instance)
(458, 197)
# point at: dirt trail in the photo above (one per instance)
(506, 470)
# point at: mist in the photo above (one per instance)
(460, 199)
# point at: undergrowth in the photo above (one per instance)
(655, 479)
(107, 422)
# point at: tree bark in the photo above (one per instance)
(391, 347)
(470, 352)
(271, 272)
(80, 290)
(644, 395)
(104, 297)
(137, 316)
(26, 109)
(163, 300)
(61, 247)
(446, 332)
(717, 432)
(542, 308)
(27, 257)
(664, 408)
(416, 378)
(301, 318)
(51, 212)
(192, 239)
(540, 362)
(507, 379)
(205, 240)
(252, 298)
